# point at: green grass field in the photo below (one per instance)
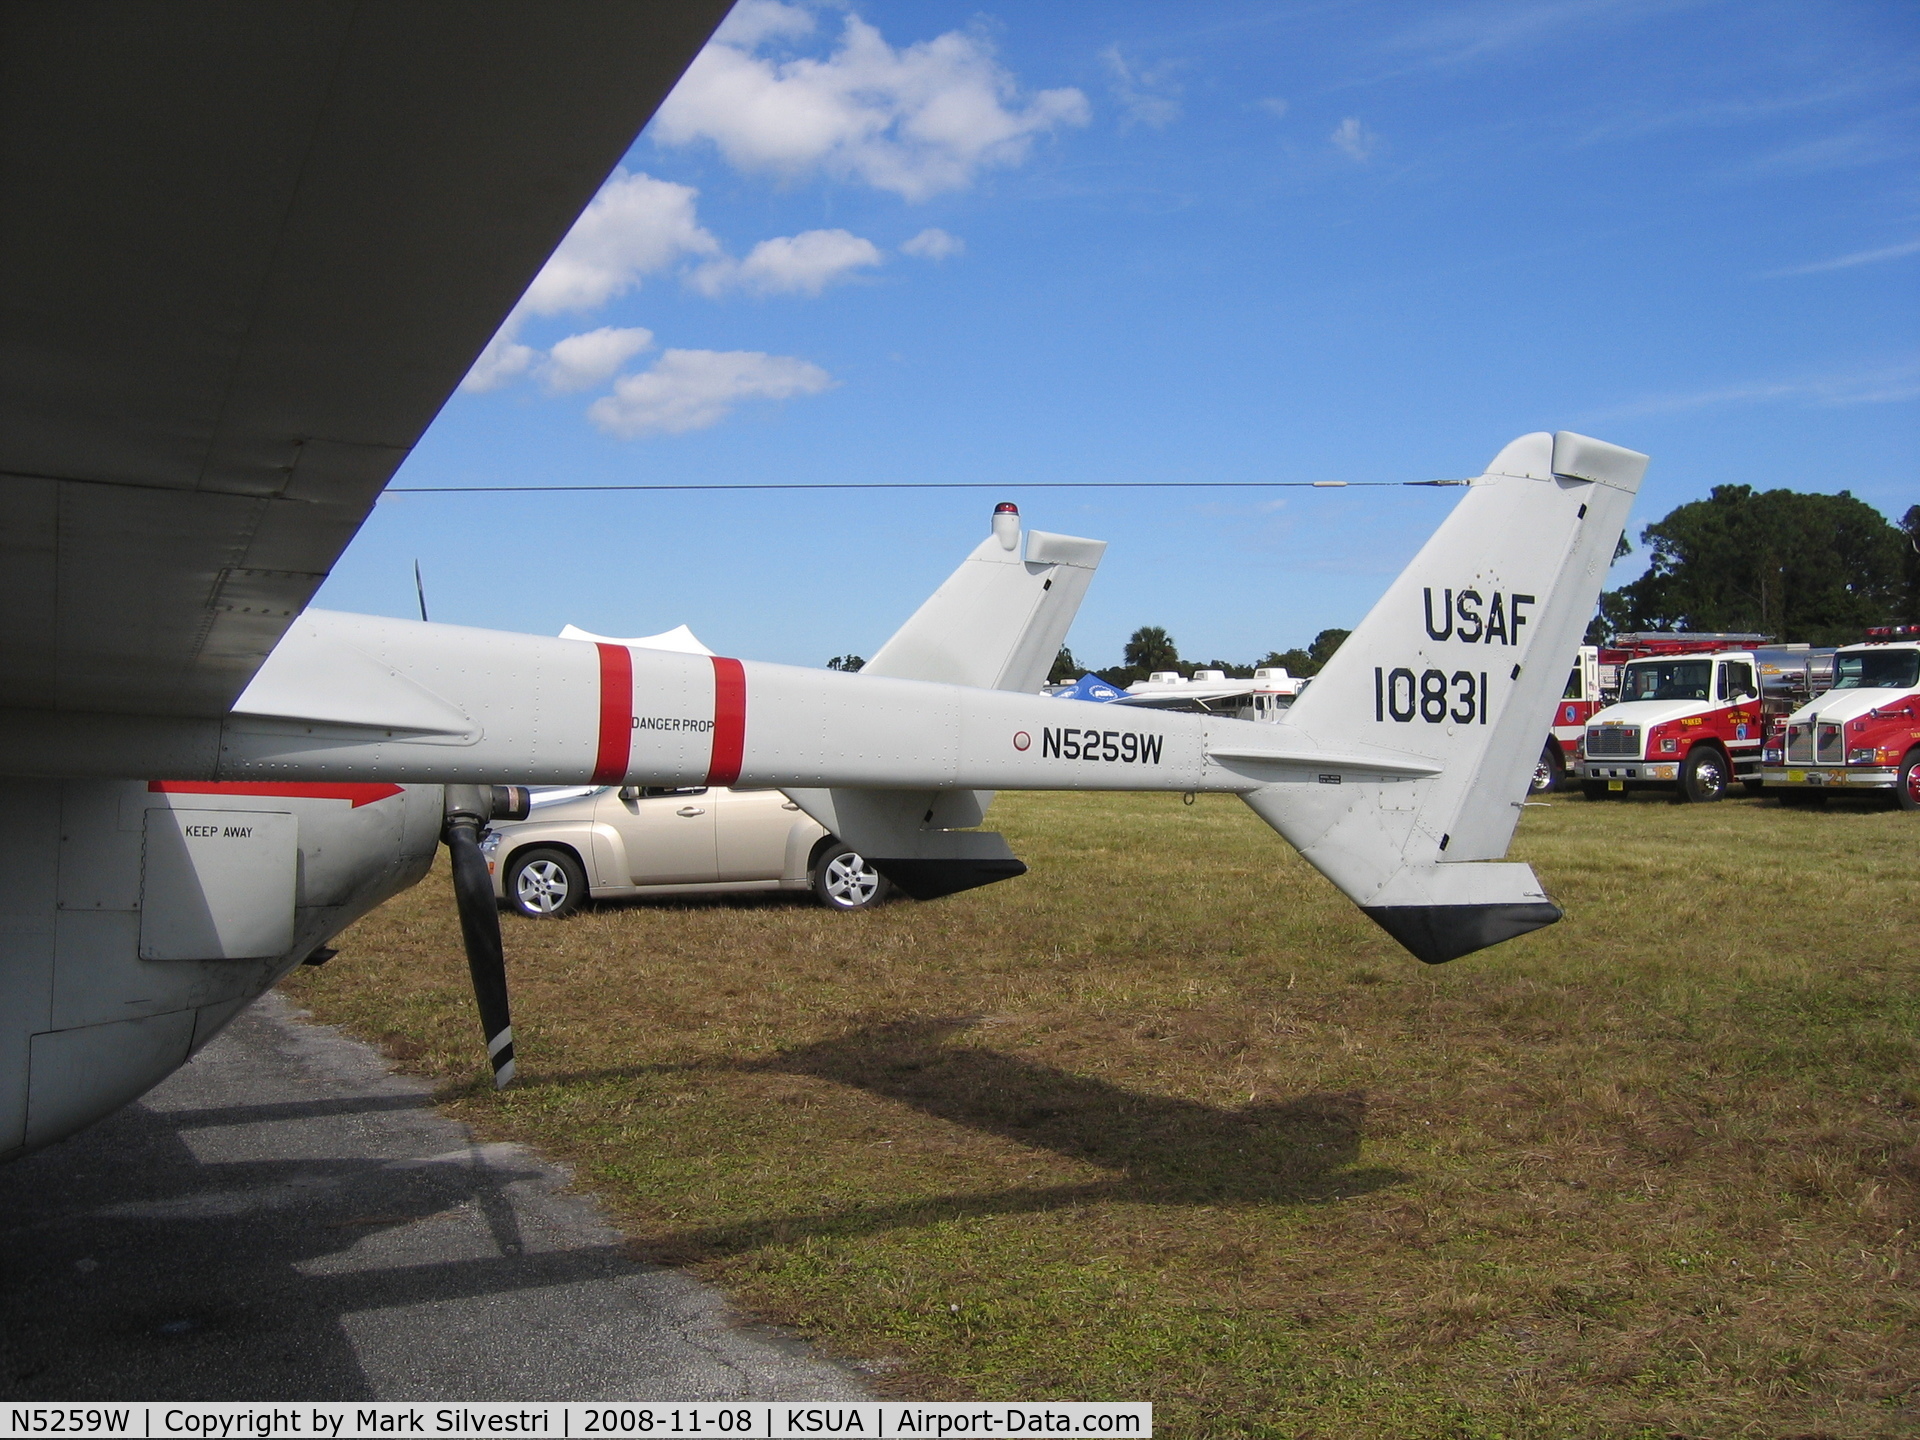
(1169, 1119)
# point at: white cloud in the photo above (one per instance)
(636, 226)
(1146, 96)
(692, 389)
(802, 264)
(581, 362)
(503, 361)
(934, 244)
(1353, 139)
(914, 121)
(752, 21)
(1274, 106)
(1463, 33)
(578, 362)
(1893, 384)
(1847, 262)
(1868, 145)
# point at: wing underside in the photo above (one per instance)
(246, 253)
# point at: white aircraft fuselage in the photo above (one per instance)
(346, 698)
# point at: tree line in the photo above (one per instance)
(1814, 568)
(1151, 648)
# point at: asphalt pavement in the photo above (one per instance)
(286, 1219)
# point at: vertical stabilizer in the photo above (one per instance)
(996, 623)
(1460, 663)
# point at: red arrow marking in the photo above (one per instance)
(363, 794)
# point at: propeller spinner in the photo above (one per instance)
(468, 809)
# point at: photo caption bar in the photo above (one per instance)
(350, 1420)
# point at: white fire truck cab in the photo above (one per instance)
(1688, 713)
(1863, 735)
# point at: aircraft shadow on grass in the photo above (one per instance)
(1161, 1150)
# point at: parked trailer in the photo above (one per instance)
(1860, 736)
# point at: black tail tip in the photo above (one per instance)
(1439, 933)
(930, 879)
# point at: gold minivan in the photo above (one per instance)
(621, 841)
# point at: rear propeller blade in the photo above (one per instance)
(480, 927)
(486, 960)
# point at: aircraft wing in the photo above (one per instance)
(246, 253)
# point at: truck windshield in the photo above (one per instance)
(1877, 670)
(1666, 680)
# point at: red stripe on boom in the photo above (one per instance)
(360, 794)
(616, 715)
(729, 721)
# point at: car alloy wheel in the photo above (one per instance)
(545, 885)
(844, 879)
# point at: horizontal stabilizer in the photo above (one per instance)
(1378, 762)
(316, 678)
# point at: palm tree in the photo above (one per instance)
(1150, 649)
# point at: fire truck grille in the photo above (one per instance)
(1832, 745)
(1800, 744)
(1614, 740)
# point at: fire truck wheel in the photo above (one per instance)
(1549, 775)
(1594, 789)
(1906, 793)
(1703, 778)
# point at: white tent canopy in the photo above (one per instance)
(680, 639)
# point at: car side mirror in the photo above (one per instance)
(629, 792)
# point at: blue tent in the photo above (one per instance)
(1089, 687)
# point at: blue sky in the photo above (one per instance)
(925, 242)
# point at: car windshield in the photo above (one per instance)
(1666, 680)
(1877, 670)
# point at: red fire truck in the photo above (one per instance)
(1689, 710)
(1583, 696)
(1592, 685)
(1862, 735)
